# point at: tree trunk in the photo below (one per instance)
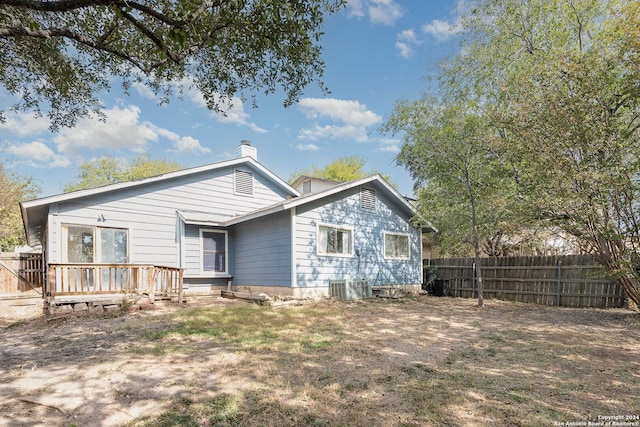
(632, 289)
(476, 249)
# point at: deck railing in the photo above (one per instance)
(89, 279)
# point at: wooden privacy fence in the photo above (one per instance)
(570, 281)
(21, 279)
(20, 274)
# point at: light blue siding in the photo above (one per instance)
(369, 226)
(149, 211)
(192, 256)
(263, 251)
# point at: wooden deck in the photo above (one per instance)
(71, 283)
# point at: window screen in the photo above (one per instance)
(396, 245)
(334, 240)
(214, 251)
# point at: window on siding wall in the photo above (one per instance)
(396, 245)
(334, 240)
(88, 244)
(214, 251)
(243, 182)
(368, 199)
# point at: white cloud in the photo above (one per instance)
(389, 145)
(307, 147)
(182, 144)
(443, 30)
(406, 41)
(143, 90)
(385, 12)
(349, 112)
(38, 154)
(232, 109)
(24, 124)
(405, 50)
(358, 134)
(189, 145)
(121, 130)
(353, 119)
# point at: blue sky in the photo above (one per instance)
(376, 52)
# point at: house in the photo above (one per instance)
(232, 224)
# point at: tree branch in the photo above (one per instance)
(65, 32)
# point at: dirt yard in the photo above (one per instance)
(410, 362)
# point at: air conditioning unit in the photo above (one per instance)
(350, 290)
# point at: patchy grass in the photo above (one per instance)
(249, 328)
(338, 364)
(412, 362)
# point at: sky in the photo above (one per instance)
(376, 52)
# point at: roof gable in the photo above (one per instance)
(35, 212)
(376, 181)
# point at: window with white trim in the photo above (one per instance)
(334, 240)
(243, 182)
(214, 251)
(90, 244)
(396, 245)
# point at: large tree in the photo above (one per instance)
(448, 152)
(56, 55)
(560, 83)
(15, 189)
(110, 170)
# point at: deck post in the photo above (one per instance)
(180, 287)
(50, 286)
(150, 278)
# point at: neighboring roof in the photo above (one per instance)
(34, 212)
(303, 178)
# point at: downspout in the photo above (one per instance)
(179, 235)
(294, 276)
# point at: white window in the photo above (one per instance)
(87, 244)
(214, 251)
(396, 245)
(334, 240)
(243, 182)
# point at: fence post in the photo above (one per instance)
(559, 282)
(473, 280)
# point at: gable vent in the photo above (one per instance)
(243, 182)
(368, 199)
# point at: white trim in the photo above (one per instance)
(180, 234)
(184, 172)
(307, 198)
(294, 258)
(337, 227)
(384, 244)
(213, 273)
(97, 249)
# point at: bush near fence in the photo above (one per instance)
(18, 297)
(569, 281)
